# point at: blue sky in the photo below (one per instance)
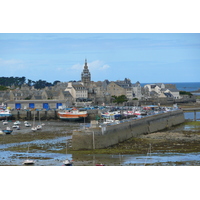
(147, 57)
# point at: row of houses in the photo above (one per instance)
(161, 90)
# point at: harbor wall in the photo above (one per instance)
(97, 138)
(45, 114)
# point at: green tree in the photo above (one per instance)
(119, 99)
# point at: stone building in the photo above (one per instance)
(137, 90)
(77, 91)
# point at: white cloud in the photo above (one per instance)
(93, 66)
(9, 62)
(77, 67)
(98, 65)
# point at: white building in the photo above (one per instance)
(77, 90)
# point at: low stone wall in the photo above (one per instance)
(109, 135)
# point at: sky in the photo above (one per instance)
(137, 40)
(143, 57)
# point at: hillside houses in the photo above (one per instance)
(161, 90)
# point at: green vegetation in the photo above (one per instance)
(119, 99)
(3, 87)
(19, 81)
(185, 93)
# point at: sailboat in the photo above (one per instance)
(67, 162)
(27, 161)
(34, 128)
(148, 154)
(39, 126)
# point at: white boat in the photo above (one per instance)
(17, 123)
(4, 113)
(27, 124)
(34, 128)
(5, 122)
(39, 126)
(27, 161)
(67, 162)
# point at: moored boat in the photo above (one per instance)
(28, 161)
(8, 130)
(4, 113)
(68, 162)
(73, 114)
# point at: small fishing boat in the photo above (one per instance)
(73, 114)
(8, 130)
(4, 113)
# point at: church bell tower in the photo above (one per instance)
(85, 75)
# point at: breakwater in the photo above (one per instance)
(105, 136)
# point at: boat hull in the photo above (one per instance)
(7, 131)
(72, 116)
(4, 116)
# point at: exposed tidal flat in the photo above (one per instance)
(175, 146)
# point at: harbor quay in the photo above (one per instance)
(97, 137)
(46, 114)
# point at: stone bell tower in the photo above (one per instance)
(85, 75)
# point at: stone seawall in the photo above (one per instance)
(109, 135)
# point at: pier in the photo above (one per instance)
(108, 135)
(195, 110)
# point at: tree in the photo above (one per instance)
(120, 99)
(55, 82)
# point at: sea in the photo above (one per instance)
(183, 86)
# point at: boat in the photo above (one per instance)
(27, 124)
(113, 114)
(34, 128)
(17, 123)
(4, 113)
(67, 162)
(5, 122)
(27, 161)
(8, 130)
(39, 126)
(100, 164)
(73, 114)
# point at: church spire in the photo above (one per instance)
(85, 75)
(85, 67)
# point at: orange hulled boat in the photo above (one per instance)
(73, 114)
